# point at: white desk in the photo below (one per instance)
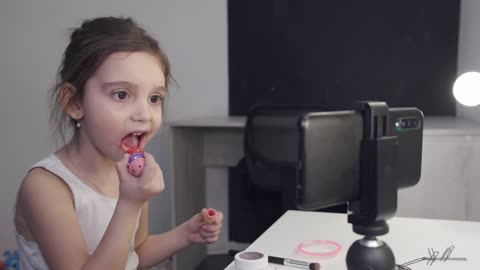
(203, 149)
(409, 238)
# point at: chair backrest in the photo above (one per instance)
(271, 144)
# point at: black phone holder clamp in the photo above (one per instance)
(377, 200)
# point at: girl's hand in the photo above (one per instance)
(200, 232)
(139, 190)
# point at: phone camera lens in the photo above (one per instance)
(414, 123)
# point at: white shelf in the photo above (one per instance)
(432, 125)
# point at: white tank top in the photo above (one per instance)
(93, 210)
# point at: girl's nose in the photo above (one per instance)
(141, 112)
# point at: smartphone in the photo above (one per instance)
(329, 154)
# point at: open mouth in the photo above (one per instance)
(133, 140)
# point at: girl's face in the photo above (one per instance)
(122, 105)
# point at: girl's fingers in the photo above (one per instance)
(219, 219)
(149, 159)
(121, 167)
(211, 240)
(211, 228)
(206, 235)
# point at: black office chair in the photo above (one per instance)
(258, 194)
(271, 146)
(263, 185)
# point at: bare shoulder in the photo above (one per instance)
(40, 185)
(36, 191)
(48, 213)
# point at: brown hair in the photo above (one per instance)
(89, 46)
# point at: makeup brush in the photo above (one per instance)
(294, 263)
(286, 262)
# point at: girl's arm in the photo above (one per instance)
(50, 215)
(153, 249)
(49, 211)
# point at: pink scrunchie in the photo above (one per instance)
(301, 248)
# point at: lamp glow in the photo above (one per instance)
(466, 89)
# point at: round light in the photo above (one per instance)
(466, 89)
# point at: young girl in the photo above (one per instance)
(79, 208)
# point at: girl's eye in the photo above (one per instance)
(155, 98)
(120, 95)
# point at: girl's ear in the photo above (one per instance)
(71, 103)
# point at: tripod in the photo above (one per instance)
(378, 193)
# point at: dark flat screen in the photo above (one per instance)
(332, 53)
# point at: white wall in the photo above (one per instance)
(33, 35)
(469, 49)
